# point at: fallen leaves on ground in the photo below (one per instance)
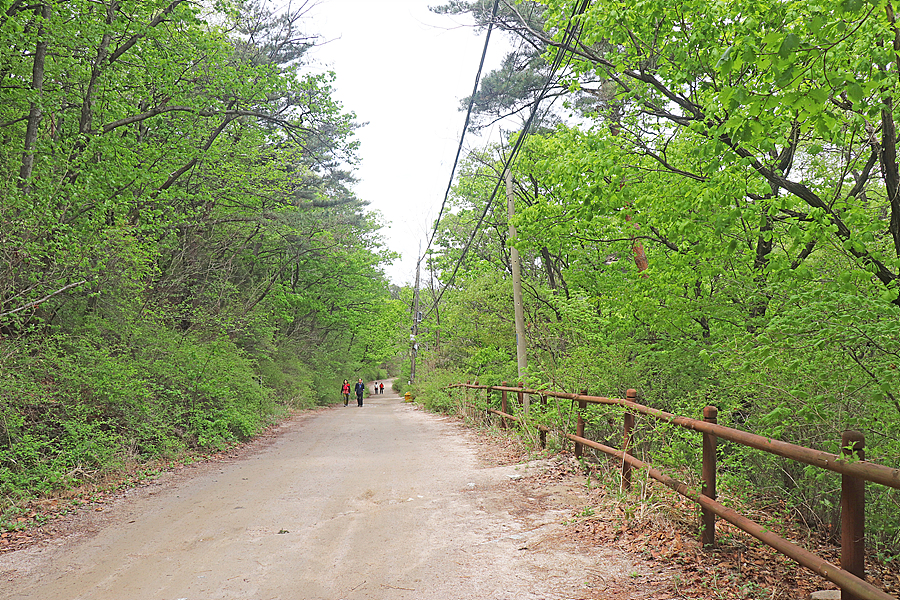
(660, 530)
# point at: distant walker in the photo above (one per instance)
(360, 388)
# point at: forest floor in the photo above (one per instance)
(658, 530)
(507, 523)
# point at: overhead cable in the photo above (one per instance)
(462, 137)
(570, 35)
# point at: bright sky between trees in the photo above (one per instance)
(403, 70)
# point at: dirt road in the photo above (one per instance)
(383, 501)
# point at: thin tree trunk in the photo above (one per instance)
(87, 107)
(35, 113)
(548, 266)
(889, 166)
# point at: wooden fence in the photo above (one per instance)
(854, 469)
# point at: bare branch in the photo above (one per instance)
(36, 303)
(200, 112)
(134, 39)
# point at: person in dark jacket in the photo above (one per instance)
(360, 388)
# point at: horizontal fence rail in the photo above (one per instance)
(873, 472)
(854, 470)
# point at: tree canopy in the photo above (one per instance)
(183, 254)
(714, 220)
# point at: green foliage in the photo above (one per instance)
(432, 393)
(288, 378)
(91, 403)
(183, 258)
(746, 152)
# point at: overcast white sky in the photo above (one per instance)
(403, 70)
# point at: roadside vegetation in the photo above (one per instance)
(182, 257)
(706, 212)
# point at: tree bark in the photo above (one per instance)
(87, 106)
(889, 167)
(548, 266)
(134, 39)
(37, 85)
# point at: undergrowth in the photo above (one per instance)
(79, 409)
(649, 506)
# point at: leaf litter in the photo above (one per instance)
(658, 530)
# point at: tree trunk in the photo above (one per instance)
(87, 107)
(889, 167)
(37, 85)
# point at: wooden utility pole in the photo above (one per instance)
(436, 329)
(415, 326)
(521, 356)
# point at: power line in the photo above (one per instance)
(572, 31)
(462, 137)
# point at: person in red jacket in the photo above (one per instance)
(345, 392)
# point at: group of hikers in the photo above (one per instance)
(359, 388)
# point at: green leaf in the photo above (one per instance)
(785, 78)
(725, 61)
(790, 43)
(816, 24)
(854, 92)
(771, 38)
(889, 295)
(748, 53)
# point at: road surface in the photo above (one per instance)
(384, 501)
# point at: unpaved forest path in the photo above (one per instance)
(384, 501)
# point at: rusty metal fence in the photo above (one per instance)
(851, 464)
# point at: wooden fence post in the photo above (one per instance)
(579, 427)
(543, 433)
(503, 405)
(708, 518)
(631, 396)
(853, 512)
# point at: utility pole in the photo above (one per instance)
(415, 325)
(521, 356)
